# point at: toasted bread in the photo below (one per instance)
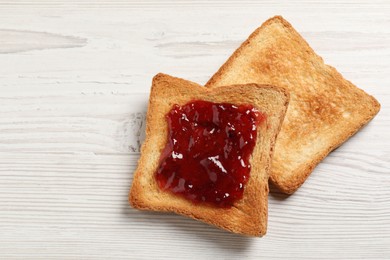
(325, 109)
(247, 216)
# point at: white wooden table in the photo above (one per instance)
(74, 84)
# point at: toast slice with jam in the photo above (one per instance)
(207, 152)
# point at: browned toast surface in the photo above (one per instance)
(325, 109)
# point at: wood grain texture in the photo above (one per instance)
(74, 85)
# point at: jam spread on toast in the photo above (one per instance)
(206, 158)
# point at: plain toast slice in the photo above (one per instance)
(325, 109)
(247, 216)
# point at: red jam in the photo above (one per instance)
(206, 158)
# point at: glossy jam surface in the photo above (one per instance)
(206, 158)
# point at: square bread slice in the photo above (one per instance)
(325, 109)
(247, 216)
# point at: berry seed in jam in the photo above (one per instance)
(206, 158)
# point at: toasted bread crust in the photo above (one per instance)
(248, 216)
(325, 109)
